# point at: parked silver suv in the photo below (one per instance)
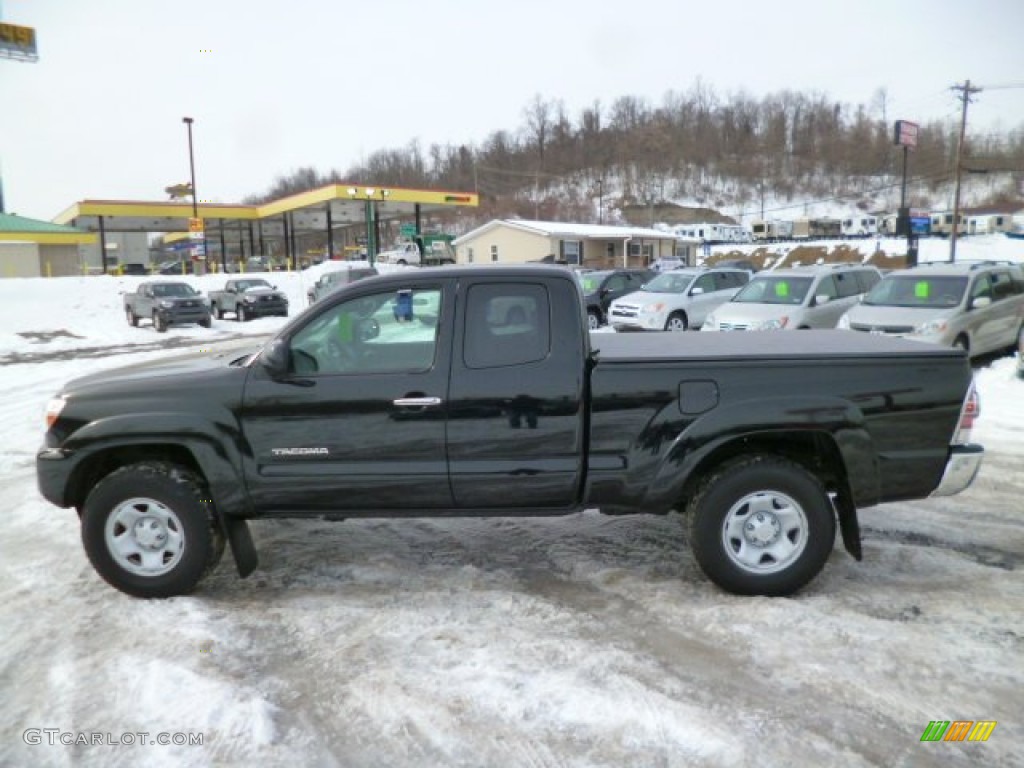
(795, 298)
(676, 300)
(977, 306)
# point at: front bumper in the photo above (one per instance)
(265, 307)
(181, 315)
(53, 468)
(961, 468)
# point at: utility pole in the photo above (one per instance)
(966, 90)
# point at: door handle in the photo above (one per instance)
(417, 402)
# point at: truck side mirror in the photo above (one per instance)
(274, 358)
(821, 299)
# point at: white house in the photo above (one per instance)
(516, 241)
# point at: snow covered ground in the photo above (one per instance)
(580, 641)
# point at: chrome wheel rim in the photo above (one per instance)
(765, 532)
(145, 537)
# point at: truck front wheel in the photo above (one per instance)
(761, 525)
(149, 530)
(159, 323)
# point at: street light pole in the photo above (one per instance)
(192, 169)
(192, 166)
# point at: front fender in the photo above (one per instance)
(214, 448)
(779, 423)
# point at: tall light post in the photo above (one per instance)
(192, 166)
(195, 201)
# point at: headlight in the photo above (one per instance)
(775, 324)
(844, 323)
(53, 409)
(652, 309)
(249, 299)
(930, 328)
(166, 304)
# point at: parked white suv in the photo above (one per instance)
(977, 306)
(676, 300)
(795, 298)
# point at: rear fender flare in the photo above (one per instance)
(753, 427)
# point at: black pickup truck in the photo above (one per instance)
(479, 391)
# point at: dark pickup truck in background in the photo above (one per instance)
(479, 391)
(167, 303)
(249, 297)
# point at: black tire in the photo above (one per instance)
(593, 319)
(742, 517)
(171, 518)
(159, 323)
(133, 319)
(206, 322)
(220, 313)
(241, 315)
(677, 321)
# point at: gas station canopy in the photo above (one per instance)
(342, 205)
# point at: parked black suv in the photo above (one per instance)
(601, 287)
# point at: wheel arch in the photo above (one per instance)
(192, 442)
(834, 445)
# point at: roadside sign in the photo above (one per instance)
(407, 230)
(195, 229)
(199, 249)
(905, 134)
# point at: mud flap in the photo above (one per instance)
(848, 524)
(242, 548)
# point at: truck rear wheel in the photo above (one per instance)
(149, 530)
(761, 525)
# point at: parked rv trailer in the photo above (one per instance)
(713, 232)
(815, 229)
(861, 225)
(942, 224)
(989, 223)
(773, 229)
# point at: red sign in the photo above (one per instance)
(905, 134)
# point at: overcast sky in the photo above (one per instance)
(273, 87)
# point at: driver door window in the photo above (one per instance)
(388, 332)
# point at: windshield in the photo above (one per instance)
(918, 291)
(670, 282)
(591, 281)
(775, 290)
(173, 289)
(245, 285)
